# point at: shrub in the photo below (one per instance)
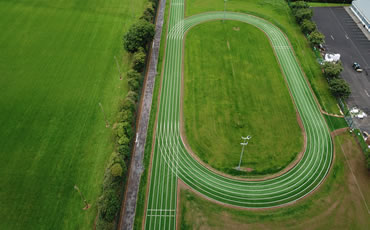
(138, 63)
(303, 13)
(316, 38)
(128, 104)
(149, 12)
(139, 35)
(133, 74)
(123, 140)
(116, 170)
(108, 205)
(339, 88)
(299, 5)
(133, 84)
(308, 26)
(131, 95)
(332, 70)
(125, 151)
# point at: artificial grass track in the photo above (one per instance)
(56, 64)
(233, 87)
(171, 160)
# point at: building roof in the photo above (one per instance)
(364, 7)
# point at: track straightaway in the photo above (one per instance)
(171, 161)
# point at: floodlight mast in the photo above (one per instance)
(245, 143)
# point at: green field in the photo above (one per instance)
(277, 12)
(234, 87)
(57, 63)
(338, 204)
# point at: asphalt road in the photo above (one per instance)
(171, 160)
(343, 36)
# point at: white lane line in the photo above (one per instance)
(367, 93)
(332, 37)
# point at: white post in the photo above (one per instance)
(243, 144)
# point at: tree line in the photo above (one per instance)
(136, 42)
(303, 15)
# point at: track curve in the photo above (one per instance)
(171, 161)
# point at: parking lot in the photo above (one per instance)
(343, 36)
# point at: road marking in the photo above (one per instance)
(367, 93)
(332, 37)
(346, 36)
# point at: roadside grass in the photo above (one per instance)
(141, 198)
(233, 87)
(335, 122)
(57, 64)
(337, 204)
(277, 12)
(325, 4)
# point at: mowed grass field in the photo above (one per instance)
(277, 12)
(340, 203)
(233, 87)
(56, 65)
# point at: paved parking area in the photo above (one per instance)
(345, 37)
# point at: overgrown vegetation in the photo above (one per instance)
(135, 41)
(336, 204)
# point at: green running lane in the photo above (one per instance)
(171, 161)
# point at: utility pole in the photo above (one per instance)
(119, 69)
(245, 143)
(83, 198)
(105, 118)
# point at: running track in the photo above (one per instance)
(171, 161)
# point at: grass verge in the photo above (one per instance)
(335, 122)
(277, 12)
(337, 204)
(228, 93)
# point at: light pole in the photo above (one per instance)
(105, 118)
(82, 197)
(224, 9)
(245, 143)
(119, 69)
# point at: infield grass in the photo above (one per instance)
(57, 64)
(233, 87)
(277, 12)
(338, 203)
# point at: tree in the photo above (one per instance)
(299, 5)
(139, 60)
(308, 26)
(332, 70)
(139, 35)
(316, 38)
(303, 13)
(149, 12)
(339, 88)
